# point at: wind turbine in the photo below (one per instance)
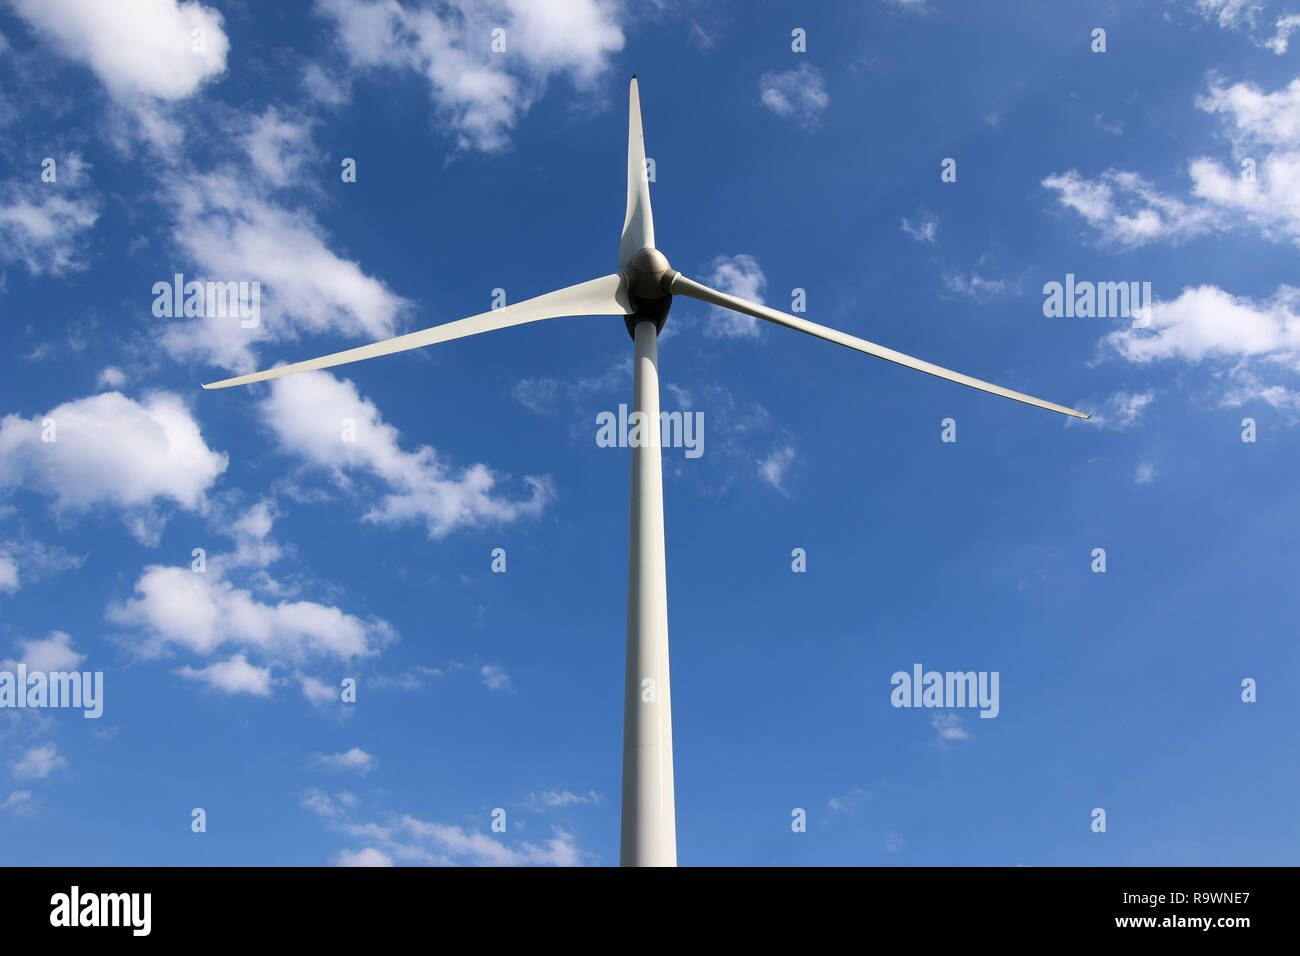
(641, 291)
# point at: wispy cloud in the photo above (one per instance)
(798, 95)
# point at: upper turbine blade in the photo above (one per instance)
(638, 224)
(684, 286)
(604, 296)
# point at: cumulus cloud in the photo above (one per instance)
(1126, 209)
(367, 857)
(233, 234)
(203, 613)
(54, 653)
(277, 145)
(234, 676)
(494, 677)
(317, 691)
(949, 727)
(738, 275)
(136, 46)
(110, 450)
(112, 378)
(355, 760)
(37, 763)
(798, 94)
(1261, 192)
(479, 94)
(146, 53)
(410, 840)
(43, 225)
(305, 412)
(1205, 322)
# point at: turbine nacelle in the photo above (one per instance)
(649, 283)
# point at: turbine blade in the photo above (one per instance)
(638, 223)
(604, 296)
(684, 286)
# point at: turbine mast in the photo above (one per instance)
(649, 828)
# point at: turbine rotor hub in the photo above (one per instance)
(646, 272)
(649, 281)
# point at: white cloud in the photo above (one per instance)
(317, 691)
(1125, 208)
(1245, 386)
(412, 840)
(235, 676)
(278, 146)
(1256, 117)
(550, 799)
(495, 678)
(205, 612)
(1145, 474)
(435, 842)
(234, 235)
(355, 760)
(324, 88)
(925, 230)
(1230, 14)
(253, 545)
(741, 276)
(112, 378)
(773, 468)
(23, 561)
(110, 450)
(38, 762)
(305, 412)
(798, 94)
(1119, 410)
(1205, 322)
(1265, 130)
(55, 653)
(44, 225)
(1247, 16)
(978, 287)
(135, 47)
(1281, 39)
(549, 394)
(849, 802)
(480, 94)
(949, 727)
(18, 801)
(367, 857)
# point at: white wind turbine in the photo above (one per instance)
(641, 291)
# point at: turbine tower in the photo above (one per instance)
(641, 291)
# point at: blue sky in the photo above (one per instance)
(218, 155)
